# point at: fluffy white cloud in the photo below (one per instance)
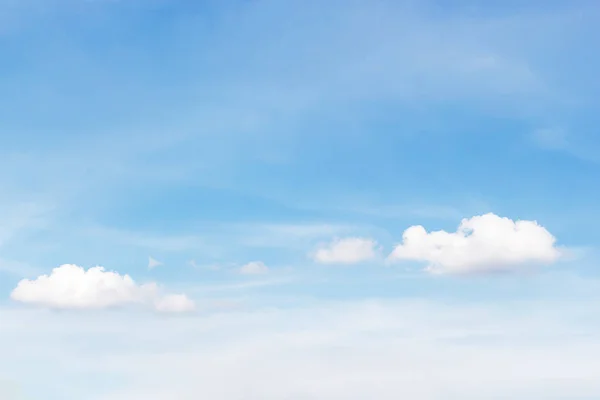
(72, 287)
(482, 243)
(254, 268)
(346, 251)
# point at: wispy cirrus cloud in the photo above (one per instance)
(19, 269)
(214, 238)
(20, 224)
(560, 140)
(251, 118)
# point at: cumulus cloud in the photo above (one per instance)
(346, 251)
(72, 287)
(484, 243)
(254, 268)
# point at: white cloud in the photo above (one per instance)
(482, 243)
(423, 351)
(152, 263)
(72, 287)
(254, 268)
(346, 251)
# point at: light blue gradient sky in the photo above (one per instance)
(226, 132)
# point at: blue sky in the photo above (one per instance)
(210, 135)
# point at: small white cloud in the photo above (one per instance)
(484, 243)
(153, 263)
(72, 287)
(346, 251)
(254, 268)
